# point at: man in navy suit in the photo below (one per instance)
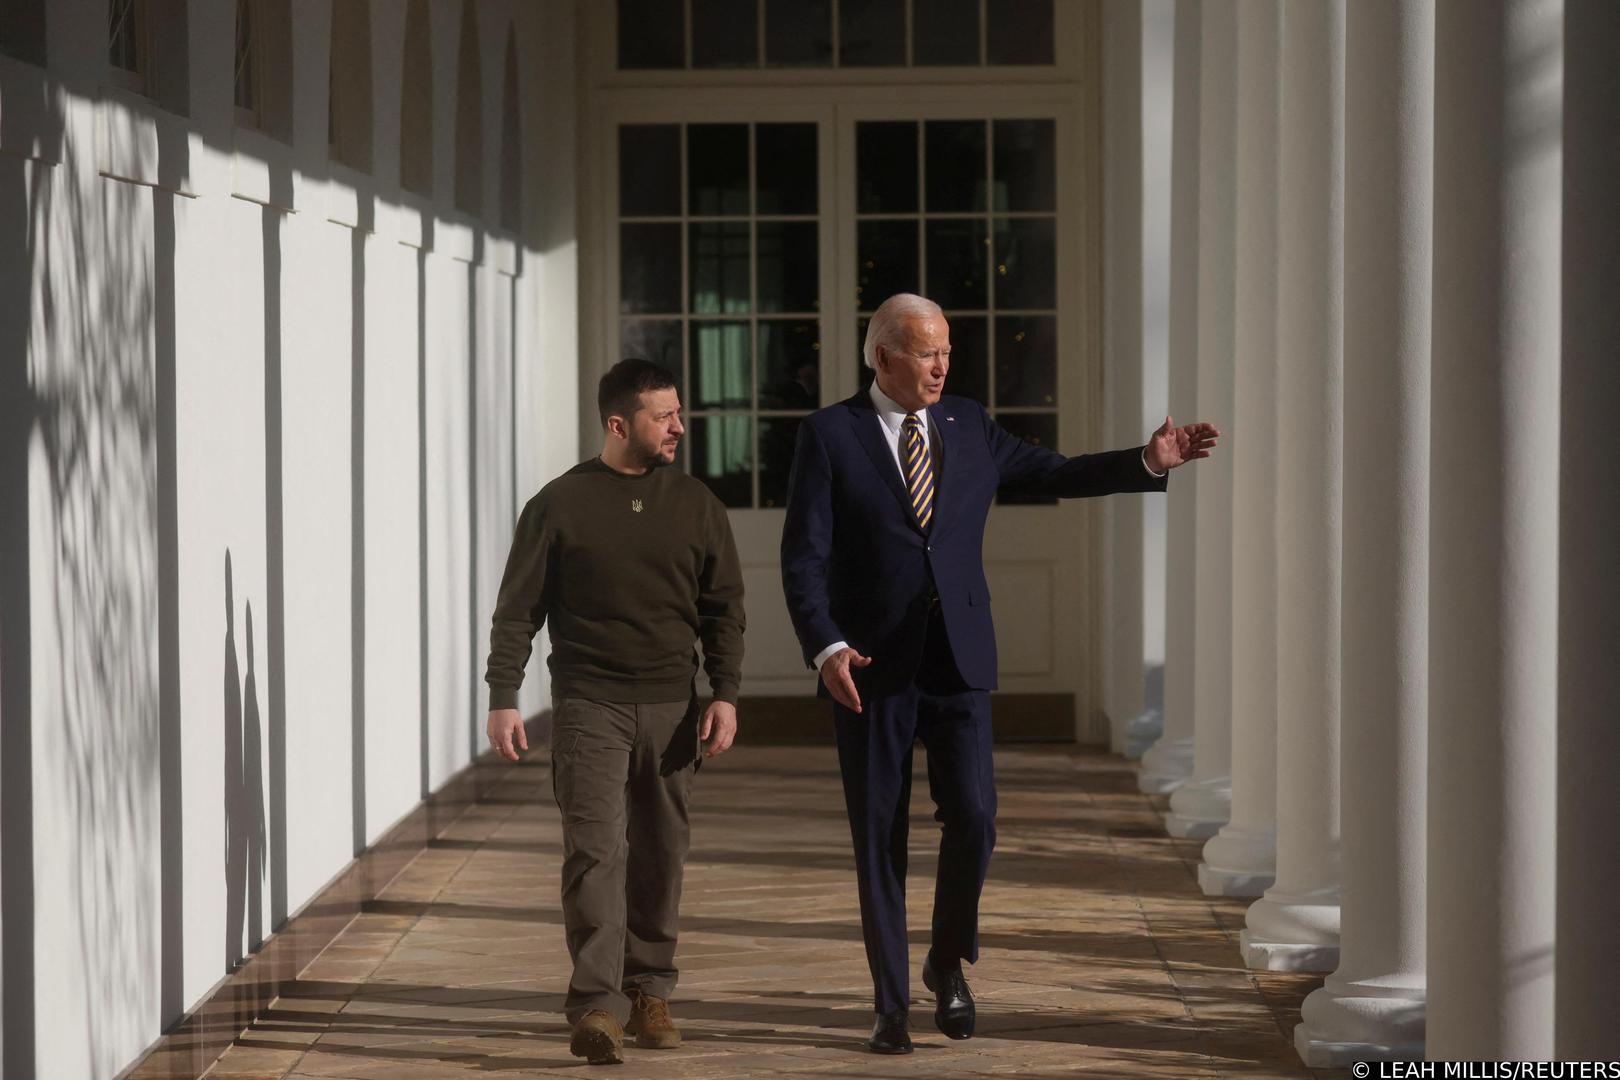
(882, 567)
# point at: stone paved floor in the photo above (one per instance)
(1100, 955)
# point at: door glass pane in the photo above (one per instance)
(649, 268)
(957, 261)
(785, 156)
(719, 262)
(1026, 173)
(798, 33)
(1026, 360)
(886, 253)
(864, 373)
(789, 265)
(652, 34)
(1018, 32)
(886, 167)
(777, 437)
(1026, 263)
(1038, 428)
(970, 372)
(650, 170)
(955, 165)
(789, 364)
(872, 33)
(658, 340)
(945, 32)
(722, 375)
(723, 456)
(725, 33)
(717, 169)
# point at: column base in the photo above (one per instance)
(1166, 765)
(1293, 933)
(1349, 1022)
(1239, 861)
(1142, 732)
(1199, 808)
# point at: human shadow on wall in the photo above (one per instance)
(244, 794)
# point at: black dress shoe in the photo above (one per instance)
(889, 1034)
(954, 1013)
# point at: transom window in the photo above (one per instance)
(965, 213)
(706, 34)
(719, 281)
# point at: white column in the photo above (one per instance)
(1295, 926)
(1168, 764)
(1493, 572)
(1372, 1006)
(1201, 806)
(1589, 587)
(1240, 860)
(1122, 357)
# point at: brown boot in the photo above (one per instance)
(598, 1038)
(650, 1022)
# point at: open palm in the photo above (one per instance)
(1171, 446)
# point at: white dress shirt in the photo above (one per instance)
(893, 417)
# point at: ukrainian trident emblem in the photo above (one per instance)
(635, 504)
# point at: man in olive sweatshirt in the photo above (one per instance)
(632, 564)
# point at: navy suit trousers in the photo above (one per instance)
(875, 756)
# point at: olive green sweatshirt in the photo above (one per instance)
(630, 572)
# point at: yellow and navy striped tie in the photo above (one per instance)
(919, 471)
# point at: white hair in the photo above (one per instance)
(891, 315)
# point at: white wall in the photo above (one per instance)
(223, 542)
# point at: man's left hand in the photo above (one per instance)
(719, 728)
(1171, 446)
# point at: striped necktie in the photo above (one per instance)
(919, 471)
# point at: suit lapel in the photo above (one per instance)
(944, 433)
(869, 431)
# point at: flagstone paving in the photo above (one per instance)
(1099, 954)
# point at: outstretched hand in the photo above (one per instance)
(1171, 446)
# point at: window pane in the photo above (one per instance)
(789, 365)
(1026, 176)
(785, 156)
(872, 33)
(864, 373)
(722, 370)
(719, 264)
(886, 253)
(1019, 32)
(945, 32)
(1038, 428)
(777, 438)
(955, 165)
(649, 170)
(789, 278)
(970, 373)
(798, 33)
(717, 168)
(652, 34)
(1026, 360)
(1025, 263)
(725, 33)
(886, 167)
(957, 259)
(649, 268)
(658, 340)
(723, 456)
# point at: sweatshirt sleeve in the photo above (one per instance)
(720, 607)
(520, 608)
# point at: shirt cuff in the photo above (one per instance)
(726, 692)
(821, 657)
(1150, 472)
(502, 697)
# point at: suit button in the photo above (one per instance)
(928, 547)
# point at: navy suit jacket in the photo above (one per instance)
(856, 566)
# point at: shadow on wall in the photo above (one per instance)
(245, 855)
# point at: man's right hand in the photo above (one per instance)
(506, 728)
(840, 682)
